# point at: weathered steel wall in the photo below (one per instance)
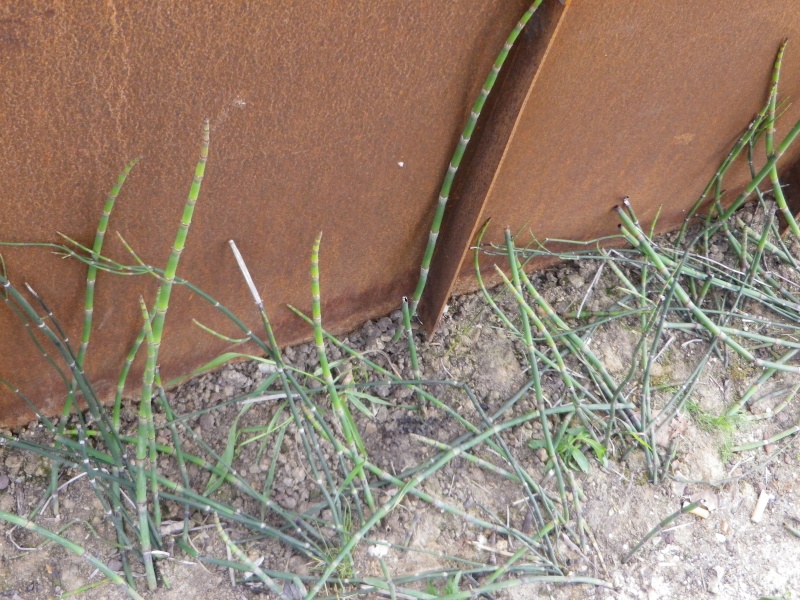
(633, 98)
(341, 117)
(336, 116)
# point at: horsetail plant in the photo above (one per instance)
(143, 455)
(348, 425)
(680, 291)
(455, 161)
(777, 190)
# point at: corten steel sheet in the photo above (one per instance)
(633, 98)
(334, 116)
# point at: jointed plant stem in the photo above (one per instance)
(349, 428)
(455, 161)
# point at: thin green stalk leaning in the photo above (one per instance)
(349, 429)
(162, 302)
(154, 332)
(452, 169)
(142, 454)
(769, 143)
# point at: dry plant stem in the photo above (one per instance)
(71, 547)
(455, 161)
(349, 428)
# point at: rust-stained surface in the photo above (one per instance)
(633, 98)
(342, 117)
(335, 116)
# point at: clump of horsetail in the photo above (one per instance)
(154, 331)
(455, 161)
(340, 408)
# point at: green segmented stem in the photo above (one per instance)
(416, 386)
(777, 191)
(116, 411)
(455, 161)
(265, 579)
(91, 278)
(757, 384)
(759, 177)
(412, 346)
(189, 496)
(716, 179)
(637, 239)
(526, 316)
(486, 295)
(608, 385)
(142, 451)
(65, 350)
(162, 302)
(412, 487)
(97, 248)
(153, 334)
(72, 547)
(771, 440)
(659, 527)
(349, 429)
(176, 440)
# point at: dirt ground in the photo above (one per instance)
(724, 556)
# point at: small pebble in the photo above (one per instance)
(207, 421)
(4, 481)
(115, 564)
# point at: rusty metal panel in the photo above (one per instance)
(632, 98)
(334, 116)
